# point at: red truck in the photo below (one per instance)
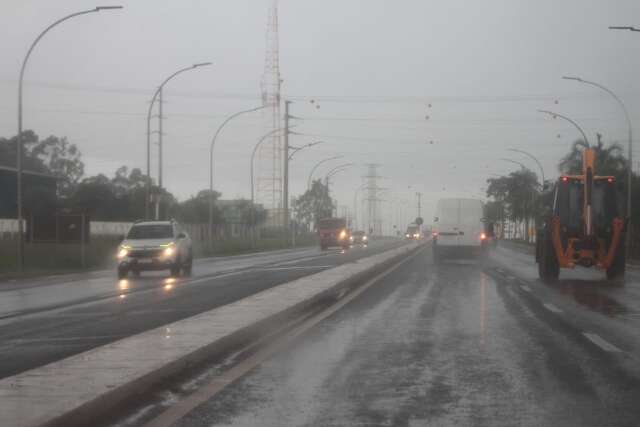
(333, 232)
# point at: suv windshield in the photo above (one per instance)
(155, 231)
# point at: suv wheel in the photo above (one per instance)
(187, 268)
(122, 273)
(175, 269)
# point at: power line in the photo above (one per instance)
(397, 99)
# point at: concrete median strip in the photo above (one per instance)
(79, 389)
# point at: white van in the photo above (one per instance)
(458, 228)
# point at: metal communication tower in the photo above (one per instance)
(269, 166)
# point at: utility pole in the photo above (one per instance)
(419, 194)
(160, 102)
(285, 189)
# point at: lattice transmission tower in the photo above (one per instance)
(269, 162)
(374, 219)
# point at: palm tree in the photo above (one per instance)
(609, 160)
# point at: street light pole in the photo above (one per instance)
(334, 171)
(253, 154)
(554, 115)
(19, 138)
(313, 169)
(213, 143)
(153, 100)
(535, 159)
(630, 143)
(296, 149)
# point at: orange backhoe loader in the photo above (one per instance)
(585, 226)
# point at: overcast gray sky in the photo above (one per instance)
(373, 66)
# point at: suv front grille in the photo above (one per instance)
(145, 253)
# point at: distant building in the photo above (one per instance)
(39, 192)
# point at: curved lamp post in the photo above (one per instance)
(313, 169)
(535, 159)
(296, 149)
(153, 100)
(554, 115)
(213, 142)
(19, 139)
(253, 155)
(335, 170)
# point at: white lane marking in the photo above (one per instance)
(63, 339)
(499, 270)
(294, 261)
(552, 308)
(300, 267)
(510, 278)
(601, 342)
(214, 277)
(525, 288)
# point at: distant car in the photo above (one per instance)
(459, 229)
(333, 232)
(155, 245)
(359, 238)
(413, 232)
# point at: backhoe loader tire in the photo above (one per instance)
(548, 267)
(617, 268)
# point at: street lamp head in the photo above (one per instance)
(99, 8)
(201, 64)
(572, 78)
(623, 28)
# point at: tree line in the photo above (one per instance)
(120, 197)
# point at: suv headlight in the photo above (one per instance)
(122, 252)
(364, 238)
(343, 234)
(169, 251)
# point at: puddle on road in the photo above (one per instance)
(587, 293)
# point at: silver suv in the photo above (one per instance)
(155, 245)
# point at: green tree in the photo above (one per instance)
(517, 193)
(314, 204)
(52, 155)
(195, 210)
(61, 159)
(8, 153)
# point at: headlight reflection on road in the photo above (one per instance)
(483, 309)
(168, 283)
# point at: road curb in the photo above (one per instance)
(87, 386)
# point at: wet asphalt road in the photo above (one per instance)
(47, 319)
(459, 343)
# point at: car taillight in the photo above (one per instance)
(434, 234)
